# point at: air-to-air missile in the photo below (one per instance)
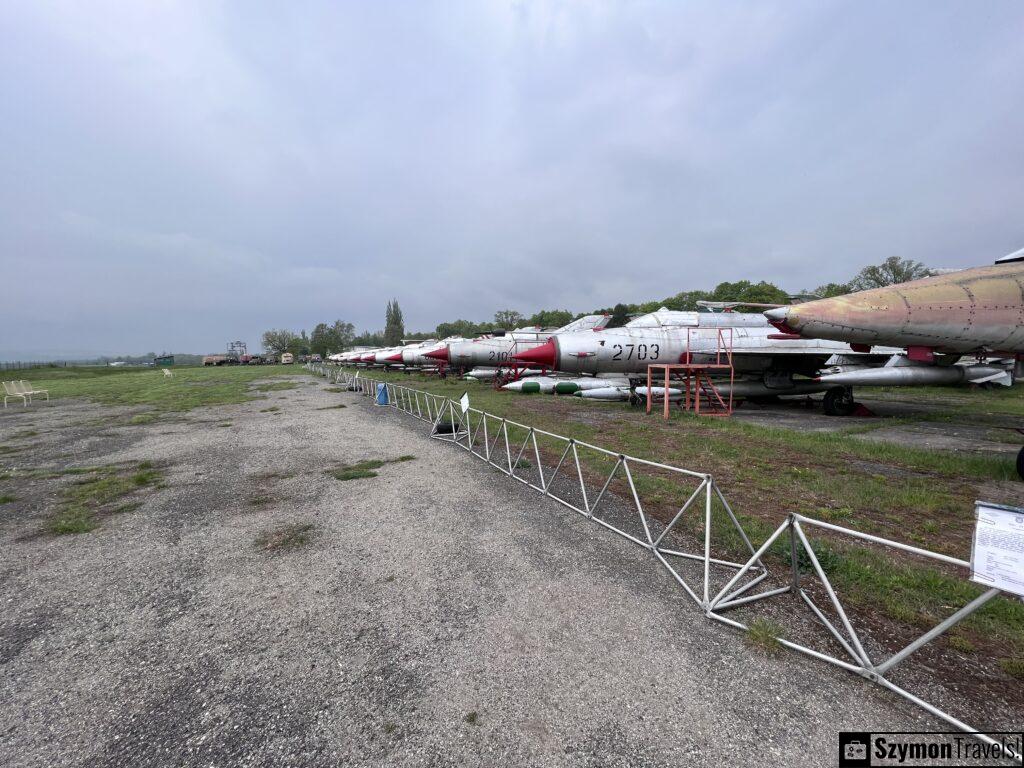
(977, 311)
(488, 374)
(906, 372)
(612, 394)
(571, 386)
(533, 385)
(658, 393)
(496, 349)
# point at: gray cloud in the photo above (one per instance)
(177, 174)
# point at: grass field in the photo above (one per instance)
(189, 388)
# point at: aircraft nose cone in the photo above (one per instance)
(782, 318)
(395, 358)
(544, 355)
(438, 354)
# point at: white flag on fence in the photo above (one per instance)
(464, 402)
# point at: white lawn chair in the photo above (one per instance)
(28, 389)
(168, 373)
(11, 390)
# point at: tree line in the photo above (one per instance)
(339, 336)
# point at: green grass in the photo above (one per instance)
(100, 491)
(471, 718)
(333, 389)
(331, 407)
(190, 388)
(24, 433)
(7, 498)
(1013, 667)
(763, 635)
(364, 469)
(271, 409)
(285, 537)
(960, 642)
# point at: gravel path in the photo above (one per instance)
(440, 615)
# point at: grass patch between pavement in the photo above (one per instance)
(285, 537)
(102, 491)
(364, 469)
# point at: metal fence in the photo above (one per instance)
(720, 584)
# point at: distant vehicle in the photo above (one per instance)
(270, 359)
(218, 360)
(117, 364)
(164, 361)
(316, 359)
(287, 358)
(245, 359)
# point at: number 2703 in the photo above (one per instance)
(641, 351)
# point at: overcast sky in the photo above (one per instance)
(174, 175)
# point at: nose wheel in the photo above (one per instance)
(839, 402)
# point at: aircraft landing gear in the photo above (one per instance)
(839, 402)
(1020, 463)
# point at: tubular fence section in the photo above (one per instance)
(608, 488)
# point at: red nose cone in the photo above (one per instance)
(438, 354)
(544, 355)
(395, 358)
(368, 358)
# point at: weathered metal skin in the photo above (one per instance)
(976, 310)
(492, 351)
(498, 350)
(627, 350)
(668, 318)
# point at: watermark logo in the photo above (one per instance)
(858, 749)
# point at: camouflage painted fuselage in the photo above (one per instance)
(973, 310)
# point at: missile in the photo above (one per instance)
(544, 384)
(484, 374)
(658, 393)
(911, 375)
(968, 311)
(604, 393)
(570, 386)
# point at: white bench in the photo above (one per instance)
(11, 390)
(28, 389)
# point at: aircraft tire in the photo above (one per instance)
(839, 401)
(1020, 463)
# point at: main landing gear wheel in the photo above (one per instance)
(839, 402)
(1020, 463)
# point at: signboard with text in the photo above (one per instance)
(997, 553)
